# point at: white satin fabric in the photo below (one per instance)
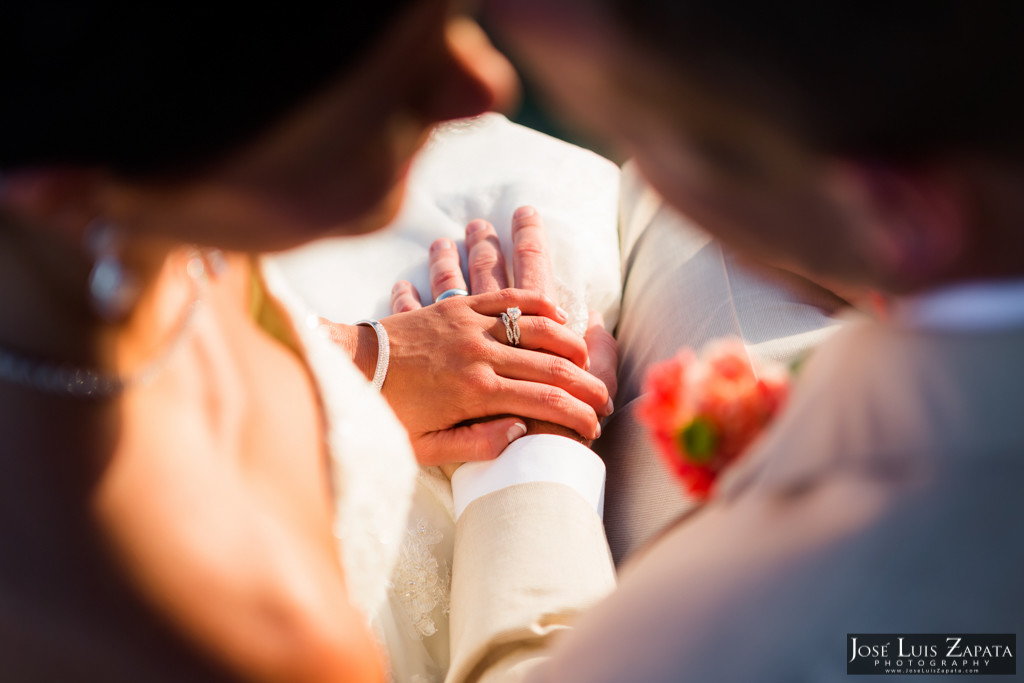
(532, 458)
(484, 167)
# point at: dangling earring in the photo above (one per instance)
(113, 289)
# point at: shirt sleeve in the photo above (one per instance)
(533, 458)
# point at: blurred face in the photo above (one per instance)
(338, 163)
(733, 174)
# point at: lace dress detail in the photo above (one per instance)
(373, 471)
(421, 582)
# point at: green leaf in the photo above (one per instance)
(797, 363)
(698, 440)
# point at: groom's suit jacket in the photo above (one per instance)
(886, 499)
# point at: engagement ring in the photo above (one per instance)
(511, 319)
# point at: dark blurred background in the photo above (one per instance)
(534, 112)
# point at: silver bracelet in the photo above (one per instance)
(383, 352)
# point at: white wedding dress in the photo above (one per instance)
(394, 521)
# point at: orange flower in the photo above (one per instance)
(703, 413)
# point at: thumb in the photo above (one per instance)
(478, 441)
(604, 353)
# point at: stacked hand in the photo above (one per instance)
(458, 385)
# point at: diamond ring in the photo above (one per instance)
(511, 319)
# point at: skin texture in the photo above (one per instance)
(190, 517)
(532, 273)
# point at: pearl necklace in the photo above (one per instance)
(89, 383)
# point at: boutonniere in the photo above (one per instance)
(704, 411)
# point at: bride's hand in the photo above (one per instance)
(549, 389)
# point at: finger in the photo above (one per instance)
(479, 441)
(484, 259)
(538, 333)
(547, 369)
(540, 402)
(529, 302)
(531, 262)
(604, 354)
(404, 297)
(444, 268)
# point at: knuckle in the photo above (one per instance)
(488, 385)
(556, 399)
(522, 298)
(561, 371)
(477, 349)
(531, 246)
(542, 327)
(444, 279)
(484, 381)
(483, 260)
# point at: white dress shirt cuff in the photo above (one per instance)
(533, 458)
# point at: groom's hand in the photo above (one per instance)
(551, 384)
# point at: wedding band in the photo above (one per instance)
(450, 292)
(511, 319)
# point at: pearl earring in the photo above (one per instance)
(113, 289)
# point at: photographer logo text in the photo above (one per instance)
(931, 653)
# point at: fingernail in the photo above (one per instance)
(515, 431)
(609, 407)
(475, 227)
(598, 435)
(441, 244)
(524, 212)
(562, 314)
(586, 364)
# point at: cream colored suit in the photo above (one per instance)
(887, 499)
(681, 287)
